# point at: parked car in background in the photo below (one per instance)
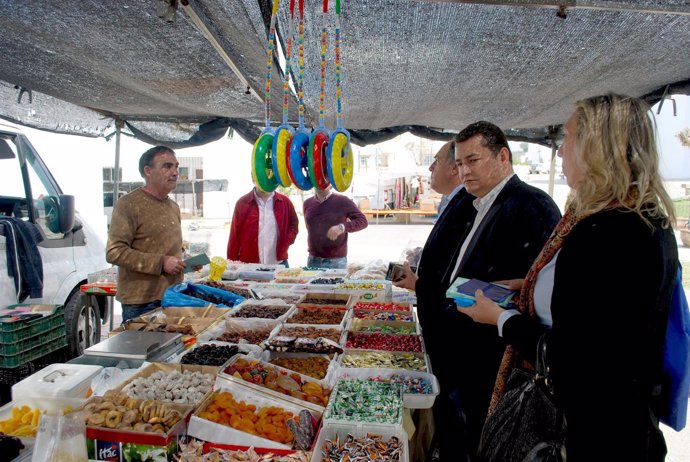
(540, 167)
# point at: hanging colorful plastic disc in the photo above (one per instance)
(318, 163)
(280, 155)
(340, 161)
(262, 163)
(299, 161)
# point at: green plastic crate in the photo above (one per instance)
(22, 330)
(21, 346)
(11, 361)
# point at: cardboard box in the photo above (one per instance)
(105, 444)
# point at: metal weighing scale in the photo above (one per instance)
(146, 346)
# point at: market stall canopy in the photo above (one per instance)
(429, 67)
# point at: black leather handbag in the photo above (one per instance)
(526, 425)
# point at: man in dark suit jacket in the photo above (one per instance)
(431, 281)
(454, 220)
(512, 224)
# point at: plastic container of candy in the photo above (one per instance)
(365, 401)
(341, 431)
(420, 389)
(351, 358)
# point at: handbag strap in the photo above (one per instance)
(543, 369)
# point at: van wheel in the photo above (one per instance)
(76, 311)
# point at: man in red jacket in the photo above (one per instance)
(263, 226)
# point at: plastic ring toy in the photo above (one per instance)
(281, 139)
(299, 161)
(262, 164)
(318, 168)
(340, 169)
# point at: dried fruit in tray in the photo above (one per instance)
(385, 328)
(313, 366)
(310, 332)
(23, 422)
(210, 355)
(254, 337)
(268, 422)
(317, 315)
(265, 375)
(324, 300)
(386, 342)
(119, 411)
(257, 310)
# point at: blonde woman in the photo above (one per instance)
(602, 285)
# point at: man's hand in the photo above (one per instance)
(172, 265)
(335, 231)
(485, 311)
(407, 280)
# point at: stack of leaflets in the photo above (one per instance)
(462, 290)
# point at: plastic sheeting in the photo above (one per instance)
(428, 67)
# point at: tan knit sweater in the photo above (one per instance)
(143, 230)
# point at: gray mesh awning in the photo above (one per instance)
(426, 67)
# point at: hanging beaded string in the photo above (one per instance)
(322, 96)
(338, 93)
(300, 83)
(288, 67)
(269, 61)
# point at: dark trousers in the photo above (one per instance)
(131, 311)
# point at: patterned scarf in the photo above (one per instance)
(511, 358)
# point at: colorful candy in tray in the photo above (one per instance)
(382, 306)
(366, 401)
(386, 342)
(273, 378)
(384, 359)
(384, 315)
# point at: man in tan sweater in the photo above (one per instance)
(145, 236)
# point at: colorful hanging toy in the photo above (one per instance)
(284, 132)
(339, 155)
(318, 143)
(263, 172)
(298, 166)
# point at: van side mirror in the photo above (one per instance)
(59, 213)
(66, 213)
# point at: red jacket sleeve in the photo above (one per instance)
(234, 239)
(294, 223)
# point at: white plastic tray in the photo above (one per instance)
(332, 429)
(410, 400)
(217, 433)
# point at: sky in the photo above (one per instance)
(77, 162)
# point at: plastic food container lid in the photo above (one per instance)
(57, 380)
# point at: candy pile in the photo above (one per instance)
(327, 281)
(365, 401)
(385, 328)
(313, 315)
(173, 386)
(386, 342)
(271, 377)
(260, 311)
(383, 315)
(253, 336)
(310, 332)
(383, 306)
(413, 385)
(324, 300)
(371, 447)
(412, 361)
(193, 452)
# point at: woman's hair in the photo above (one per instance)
(617, 153)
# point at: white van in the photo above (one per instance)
(70, 249)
